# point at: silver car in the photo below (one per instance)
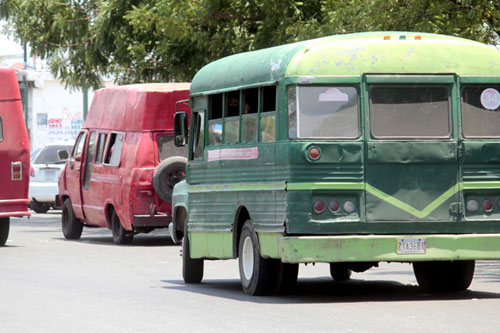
(45, 168)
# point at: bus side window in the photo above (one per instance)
(100, 148)
(215, 120)
(232, 117)
(268, 115)
(249, 116)
(198, 134)
(1, 129)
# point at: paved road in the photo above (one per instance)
(49, 284)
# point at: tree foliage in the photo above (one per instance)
(166, 40)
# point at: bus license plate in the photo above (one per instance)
(411, 246)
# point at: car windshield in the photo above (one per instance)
(48, 154)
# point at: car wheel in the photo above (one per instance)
(120, 234)
(39, 207)
(192, 269)
(258, 276)
(339, 271)
(71, 226)
(439, 276)
(4, 230)
(168, 173)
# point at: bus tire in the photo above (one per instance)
(71, 226)
(441, 276)
(290, 272)
(168, 173)
(121, 236)
(339, 271)
(258, 276)
(192, 269)
(4, 230)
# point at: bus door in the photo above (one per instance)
(480, 131)
(412, 149)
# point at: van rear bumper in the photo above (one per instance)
(14, 207)
(354, 248)
(158, 221)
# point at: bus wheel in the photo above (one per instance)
(339, 271)
(192, 269)
(120, 234)
(4, 230)
(258, 276)
(71, 226)
(289, 278)
(439, 276)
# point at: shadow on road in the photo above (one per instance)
(325, 290)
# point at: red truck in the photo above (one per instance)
(14, 153)
(124, 164)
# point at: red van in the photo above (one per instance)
(14, 153)
(124, 164)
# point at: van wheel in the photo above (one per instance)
(168, 173)
(439, 276)
(71, 226)
(339, 271)
(258, 276)
(4, 230)
(192, 269)
(39, 207)
(120, 234)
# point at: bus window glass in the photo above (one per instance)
(251, 97)
(292, 112)
(232, 129)
(269, 98)
(326, 112)
(249, 128)
(414, 112)
(215, 120)
(198, 135)
(267, 127)
(167, 148)
(1, 129)
(481, 111)
(232, 119)
(100, 148)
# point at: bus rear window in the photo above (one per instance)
(481, 111)
(410, 112)
(323, 112)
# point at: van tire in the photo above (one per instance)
(442, 276)
(259, 276)
(192, 269)
(120, 234)
(4, 230)
(71, 226)
(168, 173)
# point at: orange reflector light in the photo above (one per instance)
(387, 37)
(418, 37)
(16, 169)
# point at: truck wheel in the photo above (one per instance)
(71, 226)
(339, 271)
(258, 276)
(439, 276)
(192, 269)
(39, 207)
(4, 230)
(120, 234)
(168, 173)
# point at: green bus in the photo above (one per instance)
(349, 150)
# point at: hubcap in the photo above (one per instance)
(247, 258)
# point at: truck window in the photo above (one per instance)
(481, 111)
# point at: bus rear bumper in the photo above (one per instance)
(402, 248)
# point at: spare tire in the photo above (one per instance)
(168, 173)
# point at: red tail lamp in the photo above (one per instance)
(334, 205)
(319, 206)
(487, 205)
(16, 169)
(314, 153)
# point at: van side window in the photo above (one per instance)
(78, 149)
(198, 134)
(100, 147)
(1, 129)
(215, 120)
(268, 115)
(249, 116)
(89, 160)
(232, 117)
(114, 149)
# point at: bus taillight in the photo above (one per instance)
(334, 205)
(349, 206)
(472, 205)
(319, 206)
(488, 205)
(16, 170)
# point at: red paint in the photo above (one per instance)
(141, 112)
(14, 149)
